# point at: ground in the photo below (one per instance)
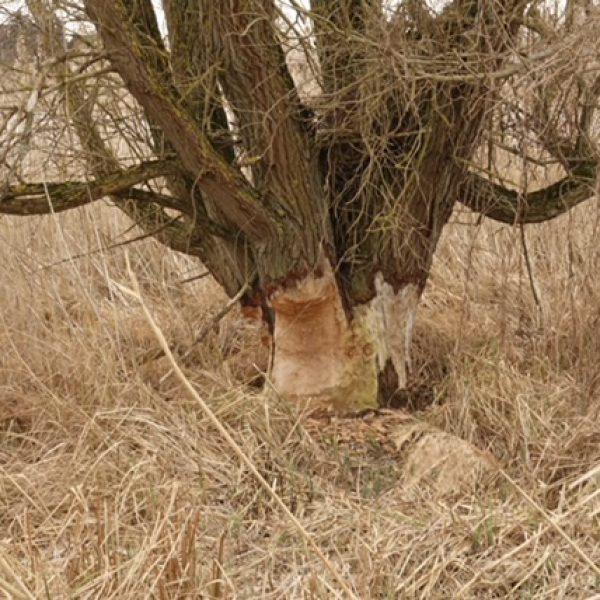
(114, 484)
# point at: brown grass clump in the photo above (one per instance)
(114, 484)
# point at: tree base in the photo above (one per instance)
(330, 363)
(320, 360)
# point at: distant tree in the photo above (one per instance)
(310, 154)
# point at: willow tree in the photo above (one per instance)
(310, 154)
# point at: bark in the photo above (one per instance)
(214, 176)
(513, 207)
(190, 77)
(276, 143)
(284, 233)
(193, 231)
(195, 64)
(43, 198)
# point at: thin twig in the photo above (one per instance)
(194, 278)
(529, 269)
(203, 333)
(139, 238)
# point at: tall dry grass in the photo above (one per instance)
(113, 483)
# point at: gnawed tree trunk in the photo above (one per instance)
(318, 354)
(338, 360)
(341, 359)
(324, 219)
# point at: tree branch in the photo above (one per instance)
(513, 207)
(262, 94)
(44, 198)
(195, 63)
(142, 17)
(214, 176)
(192, 232)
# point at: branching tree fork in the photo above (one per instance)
(310, 153)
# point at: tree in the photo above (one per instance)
(310, 154)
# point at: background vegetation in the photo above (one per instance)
(114, 485)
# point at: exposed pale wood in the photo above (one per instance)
(319, 360)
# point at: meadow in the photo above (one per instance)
(114, 483)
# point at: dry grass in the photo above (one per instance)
(114, 484)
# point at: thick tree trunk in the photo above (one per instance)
(336, 360)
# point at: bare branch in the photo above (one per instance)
(192, 232)
(263, 97)
(513, 207)
(213, 174)
(44, 198)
